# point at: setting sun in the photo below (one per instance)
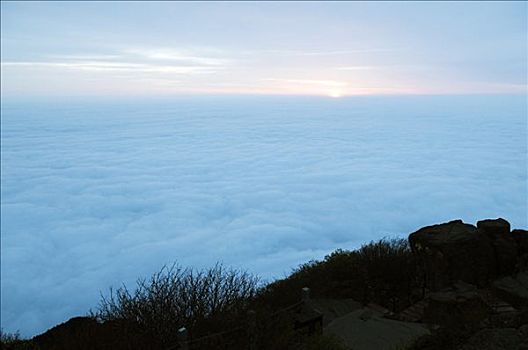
(335, 94)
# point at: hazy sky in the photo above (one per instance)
(333, 49)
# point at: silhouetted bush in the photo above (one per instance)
(203, 301)
(217, 300)
(13, 341)
(383, 272)
(8, 338)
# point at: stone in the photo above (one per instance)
(523, 331)
(494, 339)
(504, 245)
(506, 254)
(462, 286)
(453, 251)
(334, 308)
(456, 309)
(494, 227)
(521, 239)
(374, 332)
(513, 289)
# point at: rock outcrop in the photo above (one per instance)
(521, 239)
(492, 313)
(513, 289)
(504, 245)
(460, 307)
(477, 255)
(453, 251)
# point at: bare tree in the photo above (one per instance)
(200, 300)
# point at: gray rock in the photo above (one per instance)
(454, 251)
(504, 245)
(521, 239)
(523, 331)
(374, 332)
(334, 308)
(456, 309)
(494, 339)
(506, 254)
(494, 227)
(513, 289)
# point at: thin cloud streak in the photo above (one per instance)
(319, 52)
(85, 57)
(99, 66)
(358, 68)
(326, 83)
(177, 55)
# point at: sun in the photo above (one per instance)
(335, 94)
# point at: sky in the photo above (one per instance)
(295, 48)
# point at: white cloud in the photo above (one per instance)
(153, 61)
(98, 194)
(104, 66)
(324, 83)
(178, 55)
(358, 68)
(85, 57)
(320, 52)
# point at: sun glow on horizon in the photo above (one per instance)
(384, 58)
(335, 94)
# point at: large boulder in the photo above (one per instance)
(453, 251)
(504, 245)
(494, 227)
(460, 307)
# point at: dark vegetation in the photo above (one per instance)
(205, 301)
(218, 299)
(14, 341)
(458, 269)
(383, 272)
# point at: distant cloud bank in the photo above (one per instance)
(96, 194)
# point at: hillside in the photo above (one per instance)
(448, 286)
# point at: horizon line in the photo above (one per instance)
(252, 94)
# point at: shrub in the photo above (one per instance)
(383, 272)
(13, 341)
(203, 301)
(8, 338)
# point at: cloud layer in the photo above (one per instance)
(95, 194)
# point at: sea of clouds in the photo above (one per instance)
(97, 193)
